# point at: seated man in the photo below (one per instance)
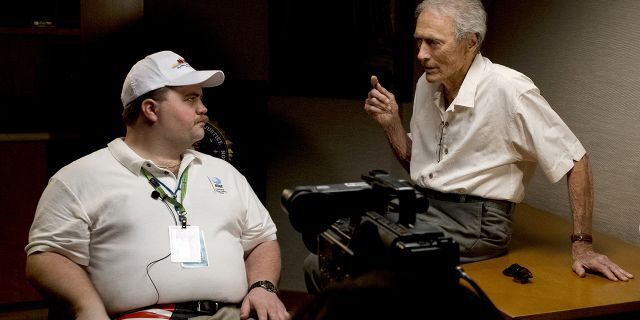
(478, 132)
(148, 220)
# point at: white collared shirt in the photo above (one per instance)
(490, 139)
(98, 212)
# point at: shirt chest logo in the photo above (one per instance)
(217, 185)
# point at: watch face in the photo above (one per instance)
(267, 285)
(215, 142)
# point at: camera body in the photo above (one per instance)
(358, 227)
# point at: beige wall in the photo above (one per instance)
(584, 55)
(318, 141)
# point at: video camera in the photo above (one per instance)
(357, 227)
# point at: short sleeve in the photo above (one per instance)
(542, 136)
(259, 227)
(60, 224)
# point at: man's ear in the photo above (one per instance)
(473, 41)
(149, 109)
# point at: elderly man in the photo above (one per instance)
(478, 131)
(148, 220)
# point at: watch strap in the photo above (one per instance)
(265, 284)
(584, 237)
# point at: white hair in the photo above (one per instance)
(469, 16)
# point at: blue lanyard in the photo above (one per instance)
(182, 186)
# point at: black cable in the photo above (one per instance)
(156, 261)
(150, 279)
(483, 296)
(171, 211)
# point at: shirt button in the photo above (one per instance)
(430, 175)
(446, 124)
(446, 151)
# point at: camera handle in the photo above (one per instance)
(381, 182)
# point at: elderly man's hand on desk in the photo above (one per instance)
(584, 258)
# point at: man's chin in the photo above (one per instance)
(198, 136)
(432, 74)
(431, 78)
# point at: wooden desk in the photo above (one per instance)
(541, 244)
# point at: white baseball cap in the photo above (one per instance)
(162, 69)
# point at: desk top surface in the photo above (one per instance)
(541, 244)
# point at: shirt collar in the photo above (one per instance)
(133, 162)
(466, 94)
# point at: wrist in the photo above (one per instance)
(581, 237)
(579, 248)
(266, 285)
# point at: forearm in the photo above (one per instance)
(580, 186)
(400, 143)
(579, 182)
(59, 278)
(264, 263)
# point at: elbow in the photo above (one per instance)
(30, 268)
(34, 269)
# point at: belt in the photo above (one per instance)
(204, 307)
(458, 197)
(178, 311)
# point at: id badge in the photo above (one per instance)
(203, 253)
(185, 244)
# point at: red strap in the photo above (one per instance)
(161, 311)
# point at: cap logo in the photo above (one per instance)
(179, 64)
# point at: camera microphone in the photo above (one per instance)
(155, 195)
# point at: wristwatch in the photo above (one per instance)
(265, 284)
(585, 237)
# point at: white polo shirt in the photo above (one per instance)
(98, 212)
(491, 138)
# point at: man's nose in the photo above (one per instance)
(423, 52)
(202, 109)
